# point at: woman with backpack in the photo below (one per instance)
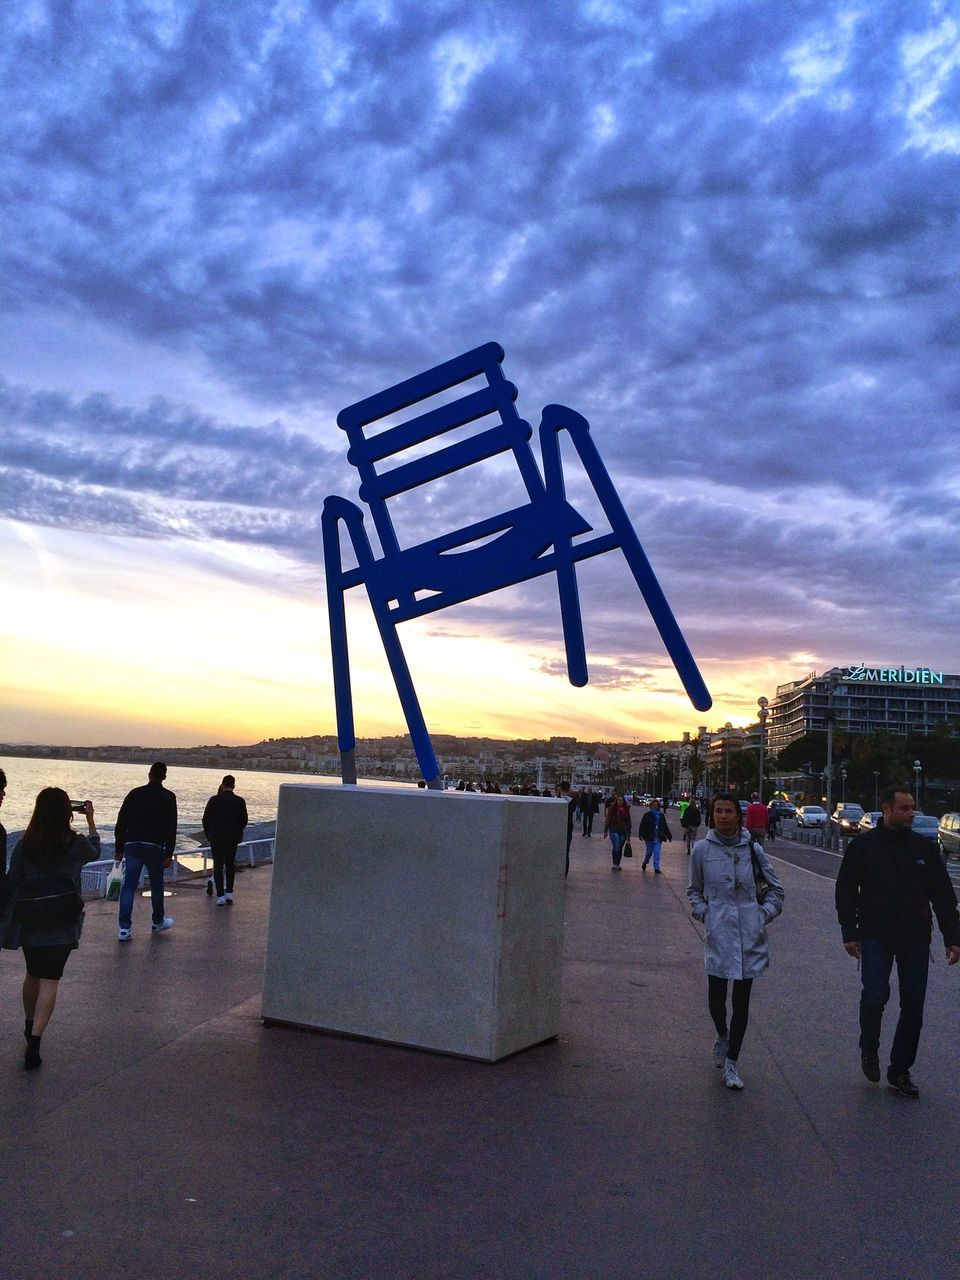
(47, 909)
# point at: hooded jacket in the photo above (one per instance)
(723, 895)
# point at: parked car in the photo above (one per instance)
(811, 815)
(924, 824)
(948, 835)
(846, 818)
(783, 809)
(871, 820)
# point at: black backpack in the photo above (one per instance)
(47, 901)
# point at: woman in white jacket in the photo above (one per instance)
(723, 893)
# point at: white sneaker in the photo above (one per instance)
(228, 897)
(221, 902)
(165, 924)
(720, 1047)
(124, 935)
(730, 1077)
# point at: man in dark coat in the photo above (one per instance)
(888, 880)
(224, 820)
(653, 830)
(589, 808)
(566, 794)
(146, 836)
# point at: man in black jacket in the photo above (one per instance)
(224, 820)
(589, 808)
(146, 836)
(888, 880)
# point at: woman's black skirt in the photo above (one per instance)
(47, 962)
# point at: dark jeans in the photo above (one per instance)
(617, 839)
(224, 864)
(588, 824)
(137, 854)
(876, 965)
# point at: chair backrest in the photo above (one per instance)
(508, 433)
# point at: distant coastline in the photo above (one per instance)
(520, 760)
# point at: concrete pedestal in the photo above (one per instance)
(424, 918)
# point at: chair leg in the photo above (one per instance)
(333, 513)
(558, 417)
(419, 733)
(570, 616)
(334, 510)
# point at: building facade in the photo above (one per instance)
(863, 699)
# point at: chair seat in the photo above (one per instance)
(458, 574)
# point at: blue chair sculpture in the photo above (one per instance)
(525, 542)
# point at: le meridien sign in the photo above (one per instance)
(894, 675)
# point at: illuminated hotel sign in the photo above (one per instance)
(894, 675)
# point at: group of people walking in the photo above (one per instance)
(41, 906)
(891, 884)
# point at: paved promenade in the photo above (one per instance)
(169, 1134)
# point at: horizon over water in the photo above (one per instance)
(107, 784)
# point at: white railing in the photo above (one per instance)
(93, 877)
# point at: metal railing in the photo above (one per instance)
(93, 877)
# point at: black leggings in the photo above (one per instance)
(717, 1001)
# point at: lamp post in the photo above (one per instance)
(829, 716)
(876, 790)
(843, 786)
(762, 703)
(916, 782)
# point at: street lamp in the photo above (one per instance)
(762, 703)
(916, 782)
(843, 786)
(829, 716)
(876, 790)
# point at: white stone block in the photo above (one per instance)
(424, 918)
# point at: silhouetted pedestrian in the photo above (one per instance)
(46, 905)
(224, 821)
(146, 836)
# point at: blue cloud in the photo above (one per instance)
(722, 232)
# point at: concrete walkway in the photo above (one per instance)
(170, 1134)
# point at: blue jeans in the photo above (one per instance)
(876, 964)
(137, 855)
(616, 844)
(653, 851)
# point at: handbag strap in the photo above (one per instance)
(757, 865)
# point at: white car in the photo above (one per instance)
(925, 825)
(811, 815)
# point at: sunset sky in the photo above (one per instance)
(726, 233)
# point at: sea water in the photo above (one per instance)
(107, 784)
